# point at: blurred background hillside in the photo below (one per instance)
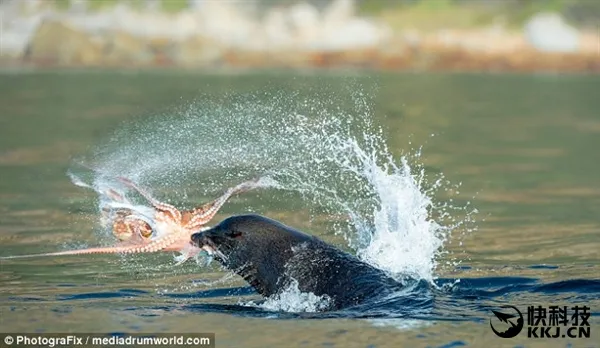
(489, 35)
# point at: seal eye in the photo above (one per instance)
(234, 234)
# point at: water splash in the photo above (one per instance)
(293, 300)
(324, 146)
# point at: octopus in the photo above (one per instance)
(143, 229)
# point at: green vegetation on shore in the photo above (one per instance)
(434, 14)
(167, 5)
(425, 14)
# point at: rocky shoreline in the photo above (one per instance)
(221, 35)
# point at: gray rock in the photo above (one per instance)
(17, 29)
(198, 51)
(78, 7)
(547, 32)
(195, 5)
(57, 43)
(123, 48)
(304, 19)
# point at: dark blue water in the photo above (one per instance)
(470, 299)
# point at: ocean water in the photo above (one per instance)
(481, 188)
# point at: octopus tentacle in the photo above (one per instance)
(109, 193)
(116, 196)
(164, 207)
(77, 181)
(154, 246)
(142, 229)
(204, 213)
(187, 252)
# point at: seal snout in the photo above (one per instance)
(203, 240)
(198, 239)
(211, 240)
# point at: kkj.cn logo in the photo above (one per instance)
(542, 322)
(514, 322)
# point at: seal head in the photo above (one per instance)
(270, 256)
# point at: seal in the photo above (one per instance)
(271, 256)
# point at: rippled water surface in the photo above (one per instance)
(524, 149)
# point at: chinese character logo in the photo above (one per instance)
(508, 320)
(556, 321)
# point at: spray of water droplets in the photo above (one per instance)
(292, 299)
(321, 145)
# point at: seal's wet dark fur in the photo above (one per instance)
(270, 255)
